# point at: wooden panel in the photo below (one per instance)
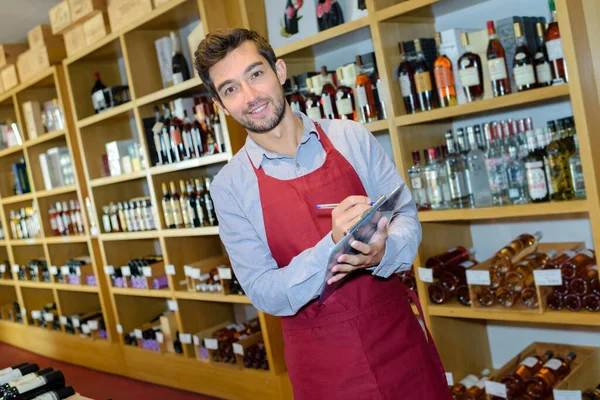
(22, 254)
(77, 303)
(198, 316)
(60, 253)
(133, 312)
(118, 192)
(118, 253)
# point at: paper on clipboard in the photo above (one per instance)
(362, 231)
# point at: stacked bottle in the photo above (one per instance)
(449, 275)
(191, 206)
(129, 216)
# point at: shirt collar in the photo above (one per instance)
(258, 153)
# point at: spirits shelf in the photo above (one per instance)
(17, 198)
(103, 116)
(35, 285)
(75, 288)
(564, 317)
(109, 180)
(108, 237)
(481, 106)
(328, 34)
(7, 282)
(10, 150)
(45, 138)
(204, 231)
(142, 292)
(26, 242)
(514, 211)
(402, 8)
(221, 298)
(66, 239)
(56, 191)
(377, 126)
(188, 164)
(192, 83)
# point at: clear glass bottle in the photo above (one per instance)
(344, 98)
(495, 169)
(433, 179)
(444, 76)
(463, 148)
(364, 95)
(517, 181)
(423, 81)
(456, 169)
(523, 62)
(555, 50)
(406, 77)
(328, 94)
(497, 63)
(478, 175)
(418, 183)
(470, 72)
(542, 65)
(314, 109)
(577, 172)
(537, 183)
(558, 168)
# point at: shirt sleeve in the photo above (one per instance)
(404, 233)
(273, 290)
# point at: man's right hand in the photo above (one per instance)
(346, 214)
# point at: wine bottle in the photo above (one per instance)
(8, 370)
(497, 63)
(586, 281)
(591, 394)
(423, 81)
(444, 76)
(529, 297)
(542, 65)
(57, 394)
(523, 63)
(186, 133)
(537, 181)
(36, 386)
(314, 109)
(175, 206)
(14, 382)
(477, 391)
(521, 274)
(364, 95)
(552, 372)
(192, 204)
(181, 71)
(555, 50)
(200, 203)
(330, 110)
(166, 137)
(98, 98)
(572, 302)
(572, 267)
(183, 202)
(297, 102)
(591, 302)
(515, 251)
(344, 98)
(175, 128)
(406, 77)
(486, 296)
(18, 372)
(210, 209)
(470, 72)
(449, 257)
(507, 297)
(459, 389)
(515, 382)
(166, 206)
(159, 146)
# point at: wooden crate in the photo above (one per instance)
(240, 347)
(152, 272)
(60, 17)
(194, 270)
(75, 40)
(124, 12)
(201, 351)
(10, 52)
(35, 61)
(82, 272)
(10, 78)
(169, 328)
(42, 36)
(82, 10)
(96, 27)
(6, 312)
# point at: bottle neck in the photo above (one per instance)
(521, 41)
(553, 16)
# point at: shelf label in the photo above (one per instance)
(172, 304)
(85, 329)
(170, 269)
(2, 268)
(547, 277)
(224, 273)
(137, 333)
(196, 340)
(53, 270)
(36, 314)
(147, 271)
(567, 394)
(49, 317)
(426, 275)
(30, 241)
(75, 322)
(450, 378)
(109, 269)
(478, 278)
(119, 329)
(496, 389)
(211, 344)
(35, 269)
(66, 239)
(93, 324)
(195, 273)
(159, 337)
(187, 270)
(125, 270)
(64, 270)
(15, 268)
(185, 338)
(238, 349)
(63, 320)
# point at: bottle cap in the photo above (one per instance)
(45, 371)
(55, 376)
(29, 368)
(490, 27)
(65, 392)
(432, 153)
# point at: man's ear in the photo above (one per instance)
(281, 71)
(220, 105)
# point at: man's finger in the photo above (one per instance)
(351, 201)
(354, 260)
(336, 278)
(361, 247)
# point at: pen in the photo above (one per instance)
(331, 206)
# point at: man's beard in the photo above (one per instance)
(270, 123)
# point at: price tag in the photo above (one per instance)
(238, 349)
(479, 278)
(48, 317)
(36, 314)
(85, 329)
(15, 268)
(2, 268)
(196, 340)
(450, 378)
(224, 273)
(78, 271)
(196, 273)
(35, 269)
(170, 269)
(53, 270)
(172, 304)
(147, 271)
(119, 328)
(30, 241)
(547, 277)
(75, 322)
(125, 270)
(64, 270)
(137, 333)
(63, 320)
(211, 344)
(495, 389)
(109, 269)
(187, 270)
(185, 338)
(567, 394)
(93, 324)
(159, 337)
(426, 275)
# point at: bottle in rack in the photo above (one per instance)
(462, 147)
(175, 206)
(201, 203)
(521, 274)
(497, 63)
(456, 169)
(480, 184)
(573, 266)
(314, 109)
(586, 281)
(477, 391)
(460, 389)
(444, 76)
(98, 98)
(167, 209)
(35, 386)
(406, 77)
(515, 251)
(554, 48)
(181, 71)
(523, 63)
(433, 179)
(452, 256)
(210, 209)
(417, 182)
(17, 371)
(344, 98)
(559, 169)
(328, 95)
(577, 172)
(515, 382)
(175, 128)
(186, 213)
(166, 137)
(542, 65)
(552, 372)
(470, 72)
(537, 182)
(423, 81)
(364, 95)
(297, 102)
(495, 168)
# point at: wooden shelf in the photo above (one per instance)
(56, 191)
(105, 115)
(7, 282)
(481, 106)
(18, 198)
(109, 180)
(36, 285)
(513, 211)
(402, 8)
(26, 242)
(46, 137)
(377, 126)
(192, 83)
(11, 150)
(164, 293)
(328, 34)
(183, 232)
(2, 242)
(188, 164)
(221, 298)
(66, 239)
(107, 237)
(76, 288)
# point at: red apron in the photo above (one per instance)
(364, 342)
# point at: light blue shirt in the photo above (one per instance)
(283, 291)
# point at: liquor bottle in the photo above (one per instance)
(35, 386)
(497, 63)
(183, 202)
(328, 95)
(452, 256)
(57, 394)
(381, 95)
(175, 128)
(477, 391)
(16, 372)
(552, 372)
(515, 382)
(452, 276)
(297, 102)
(159, 146)
(573, 266)
(433, 179)
(591, 302)
(52, 217)
(186, 133)
(586, 281)
(364, 95)
(559, 171)
(459, 389)
(495, 168)
(191, 204)
(542, 65)
(523, 63)
(554, 49)
(98, 97)
(478, 175)
(444, 76)
(210, 209)
(517, 181)
(105, 219)
(175, 206)
(314, 109)
(423, 83)
(470, 72)
(344, 98)
(166, 206)
(417, 183)
(537, 182)
(181, 71)
(200, 203)
(521, 274)
(591, 394)
(529, 297)
(166, 137)
(455, 167)
(522, 246)
(462, 149)
(577, 172)
(408, 88)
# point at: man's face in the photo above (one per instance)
(250, 90)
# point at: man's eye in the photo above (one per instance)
(229, 90)
(257, 74)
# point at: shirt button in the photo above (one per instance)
(297, 165)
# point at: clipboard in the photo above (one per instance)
(363, 230)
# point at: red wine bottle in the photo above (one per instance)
(58, 394)
(18, 372)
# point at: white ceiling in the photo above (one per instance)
(19, 16)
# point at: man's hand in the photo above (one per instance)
(369, 255)
(346, 214)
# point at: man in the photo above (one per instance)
(364, 342)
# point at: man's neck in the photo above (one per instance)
(284, 138)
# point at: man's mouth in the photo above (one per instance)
(258, 109)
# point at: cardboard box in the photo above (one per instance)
(122, 13)
(42, 35)
(96, 28)
(10, 52)
(60, 17)
(75, 40)
(81, 10)
(10, 79)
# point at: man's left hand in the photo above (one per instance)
(369, 255)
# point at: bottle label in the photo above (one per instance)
(423, 82)
(544, 74)
(497, 68)
(524, 75)
(425, 275)
(327, 106)
(168, 213)
(434, 189)
(361, 95)
(469, 76)
(314, 113)
(444, 77)
(405, 85)
(30, 384)
(467, 264)
(176, 136)
(554, 49)
(295, 106)
(492, 165)
(98, 100)
(469, 381)
(47, 396)
(529, 362)
(458, 187)
(416, 183)
(553, 364)
(536, 180)
(548, 176)
(344, 106)
(481, 383)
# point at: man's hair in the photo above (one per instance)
(221, 42)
